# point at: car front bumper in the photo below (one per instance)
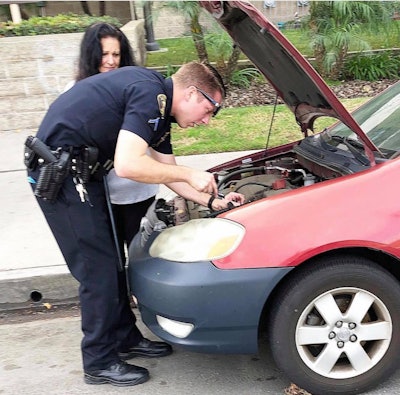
(223, 306)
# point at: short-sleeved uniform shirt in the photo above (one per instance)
(95, 109)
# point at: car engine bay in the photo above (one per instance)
(255, 180)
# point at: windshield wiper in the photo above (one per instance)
(354, 146)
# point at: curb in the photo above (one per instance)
(46, 285)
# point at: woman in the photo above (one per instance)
(104, 48)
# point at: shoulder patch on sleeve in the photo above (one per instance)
(162, 104)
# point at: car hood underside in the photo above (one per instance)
(294, 79)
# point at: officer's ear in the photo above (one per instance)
(190, 93)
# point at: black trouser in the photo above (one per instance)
(128, 217)
(85, 238)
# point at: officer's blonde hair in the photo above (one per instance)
(200, 74)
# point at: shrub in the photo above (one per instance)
(373, 67)
(62, 23)
(170, 69)
(243, 77)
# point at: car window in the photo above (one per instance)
(379, 119)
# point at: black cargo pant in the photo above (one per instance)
(85, 238)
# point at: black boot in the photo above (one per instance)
(147, 348)
(120, 374)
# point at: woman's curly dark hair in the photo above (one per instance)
(91, 51)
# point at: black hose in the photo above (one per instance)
(221, 183)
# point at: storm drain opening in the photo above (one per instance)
(36, 296)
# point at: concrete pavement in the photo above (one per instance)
(43, 357)
(32, 268)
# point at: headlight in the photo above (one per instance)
(198, 240)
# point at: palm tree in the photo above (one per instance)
(228, 54)
(191, 10)
(335, 25)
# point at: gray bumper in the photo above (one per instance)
(223, 305)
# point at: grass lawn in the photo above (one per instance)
(245, 128)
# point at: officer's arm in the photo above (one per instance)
(131, 161)
(185, 190)
(181, 188)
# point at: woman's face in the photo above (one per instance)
(111, 54)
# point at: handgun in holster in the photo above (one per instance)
(55, 167)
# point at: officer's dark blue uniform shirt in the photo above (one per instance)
(95, 109)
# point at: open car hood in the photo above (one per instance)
(292, 76)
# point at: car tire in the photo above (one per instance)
(335, 324)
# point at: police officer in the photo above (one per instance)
(121, 115)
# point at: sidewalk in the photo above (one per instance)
(32, 268)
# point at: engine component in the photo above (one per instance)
(255, 181)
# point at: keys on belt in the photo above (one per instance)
(82, 191)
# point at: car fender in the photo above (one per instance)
(286, 229)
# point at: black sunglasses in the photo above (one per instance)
(211, 100)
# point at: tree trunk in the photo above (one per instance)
(319, 55)
(135, 15)
(198, 39)
(232, 63)
(102, 8)
(337, 69)
(85, 8)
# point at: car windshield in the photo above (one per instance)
(379, 119)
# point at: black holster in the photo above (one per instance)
(52, 176)
(54, 167)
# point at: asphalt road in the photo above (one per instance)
(43, 357)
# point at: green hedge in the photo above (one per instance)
(373, 66)
(62, 23)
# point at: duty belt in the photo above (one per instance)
(56, 165)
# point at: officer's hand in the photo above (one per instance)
(236, 198)
(203, 181)
(232, 197)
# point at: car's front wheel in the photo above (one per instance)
(335, 326)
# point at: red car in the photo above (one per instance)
(312, 257)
